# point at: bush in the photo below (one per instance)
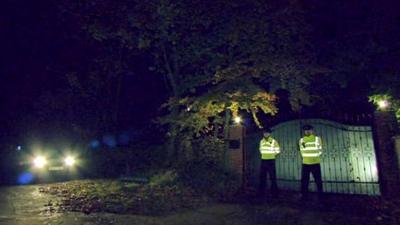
(209, 149)
(208, 176)
(205, 172)
(166, 178)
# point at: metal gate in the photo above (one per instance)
(348, 161)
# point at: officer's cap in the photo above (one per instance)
(267, 130)
(308, 127)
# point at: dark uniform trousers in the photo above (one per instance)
(305, 177)
(268, 167)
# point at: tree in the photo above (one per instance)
(215, 56)
(359, 51)
(251, 63)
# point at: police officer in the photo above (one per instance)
(311, 150)
(269, 149)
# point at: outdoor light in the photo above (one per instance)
(383, 104)
(39, 161)
(69, 161)
(237, 119)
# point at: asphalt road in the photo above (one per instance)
(26, 205)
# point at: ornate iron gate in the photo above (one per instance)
(348, 161)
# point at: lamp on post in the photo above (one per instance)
(383, 104)
(237, 120)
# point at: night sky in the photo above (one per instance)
(36, 51)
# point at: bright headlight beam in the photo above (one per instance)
(69, 161)
(39, 161)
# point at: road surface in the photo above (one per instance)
(26, 205)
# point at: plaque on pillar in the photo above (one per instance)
(235, 153)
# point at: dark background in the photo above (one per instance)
(37, 49)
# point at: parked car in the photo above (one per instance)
(47, 166)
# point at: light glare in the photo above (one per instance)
(69, 161)
(39, 162)
(383, 104)
(237, 119)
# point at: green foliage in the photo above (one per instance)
(376, 99)
(214, 58)
(198, 112)
(166, 178)
(196, 44)
(204, 171)
(239, 62)
(208, 177)
(393, 104)
(358, 58)
(208, 148)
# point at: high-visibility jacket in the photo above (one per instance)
(269, 148)
(311, 149)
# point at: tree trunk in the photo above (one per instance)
(173, 130)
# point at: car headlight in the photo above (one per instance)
(39, 161)
(69, 161)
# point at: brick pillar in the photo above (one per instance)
(396, 140)
(385, 128)
(236, 150)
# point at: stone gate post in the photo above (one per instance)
(384, 129)
(236, 161)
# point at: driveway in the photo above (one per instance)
(26, 205)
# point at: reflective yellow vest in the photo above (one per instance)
(311, 149)
(269, 148)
